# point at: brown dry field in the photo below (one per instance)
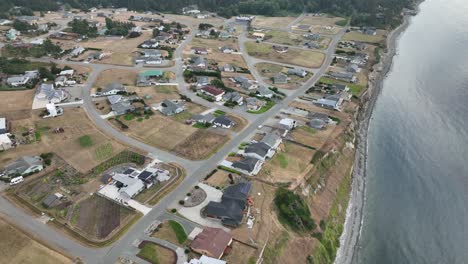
(220, 178)
(315, 140)
(126, 77)
(166, 233)
(165, 256)
(157, 93)
(18, 247)
(214, 54)
(272, 22)
(201, 144)
(76, 124)
(16, 104)
(240, 253)
(240, 122)
(358, 36)
(320, 20)
(297, 164)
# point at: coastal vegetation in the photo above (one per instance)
(293, 211)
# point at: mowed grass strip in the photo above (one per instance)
(299, 57)
(85, 141)
(179, 231)
(104, 151)
(149, 252)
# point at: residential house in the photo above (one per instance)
(5, 142)
(149, 176)
(149, 77)
(280, 49)
(233, 97)
(136, 29)
(280, 78)
(324, 117)
(254, 104)
(4, 125)
(299, 72)
(214, 92)
(223, 121)
(128, 187)
(369, 31)
(24, 166)
(211, 242)
(239, 79)
(199, 62)
(259, 150)
(340, 88)
(46, 91)
(205, 260)
(52, 200)
(312, 36)
(151, 53)
(248, 165)
(224, 35)
(248, 85)
(202, 81)
(288, 123)
(28, 19)
(68, 73)
(113, 99)
(12, 34)
(37, 42)
(43, 27)
(149, 44)
(329, 102)
(169, 107)
(312, 45)
(360, 46)
(353, 68)
(18, 81)
(5, 22)
(265, 92)
(259, 36)
(227, 49)
(200, 51)
(113, 89)
(272, 139)
(122, 107)
(343, 76)
(228, 68)
(233, 203)
(60, 81)
(203, 119)
(96, 56)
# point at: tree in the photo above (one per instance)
(44, 73)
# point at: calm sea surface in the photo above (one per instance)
(417, 192)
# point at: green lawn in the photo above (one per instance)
(308, 129)
(355, 89)
(85, 141)
(179, 231)
(201, 126)
(129, 117)
(165, 89)
(219, 113)
(149, 253)
(283, 160)
(104, 151)
(265, 108)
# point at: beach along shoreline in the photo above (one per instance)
(347, 252)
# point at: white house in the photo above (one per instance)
(113, 89)
(288, 123)
(5, 142)
(69, 72)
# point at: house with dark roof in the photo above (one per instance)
(122, 107)
(200, 51)
(259, 151)
(223, 121)
(248, 165)
(24, 166)
(343, 76)
(332, 103)
(214, 92)
(202, 80)
(233, 97)
(211, 242)
(52, 200)
(231, 208)
(169, 107)
(149, 44)
(199, 62)
(299, 72)
(265, 92)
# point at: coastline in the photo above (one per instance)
(355, 211)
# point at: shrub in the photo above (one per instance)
(181, 202)
(293, 211)
(173, 210)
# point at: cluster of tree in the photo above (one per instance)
(15, 65)
(118, 28)
(82, 27)
(23, 26)
(10, 8)
(46, 49)
(293, 210)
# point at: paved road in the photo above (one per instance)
(196, 170)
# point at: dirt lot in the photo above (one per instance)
(201, 144)
(290, 163)
(304, 58)
(220, 179)
(160, 254)
(293, 39)
(16, 104)
(98, 217)
(155, 94)
(126, 77)
(316, 139)
(272, 22)
(18, 247)
(166, 233)
(66, 145)
(358, 36)
(269, 70)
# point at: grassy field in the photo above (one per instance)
(358, 36)
(272, 22)
(156, 254)
(304, 58)
(179, 231)
(284, 37)
(18, 247)
(126, 77)
(85, 141)
(104, 151)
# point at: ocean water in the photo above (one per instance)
(417, 192)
